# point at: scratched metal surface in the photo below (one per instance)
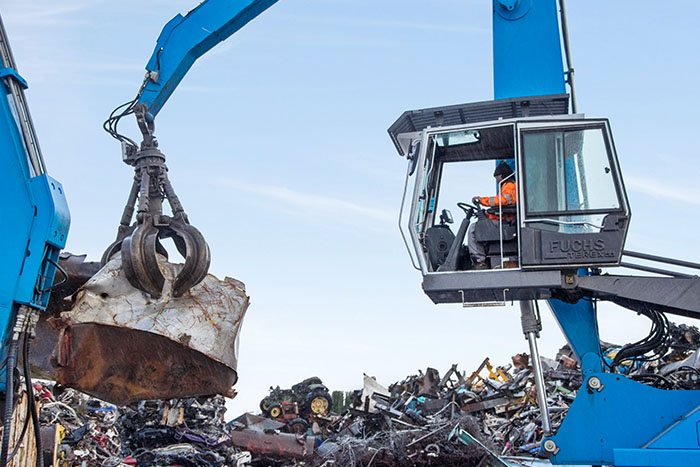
(207, 318)
(119, 344)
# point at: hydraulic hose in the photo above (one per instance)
(27, 415)
(22, 321)
(657, 342)
(31, 402)
(9, 402)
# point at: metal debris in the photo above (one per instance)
(300, 407)
(119, 344)
(186, 432)
(485, 417)
(673, 364)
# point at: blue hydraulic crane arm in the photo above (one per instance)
(181, 42)
(186, 38)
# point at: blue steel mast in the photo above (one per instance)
(613, 420)
(34, 230)
(35, 214)
(527, 57)
(527, 61)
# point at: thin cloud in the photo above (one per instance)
(416, 26)
(45, 14)
(662, 191)
(388, 24)
(314, 205)
(39, 73)
(93, 66)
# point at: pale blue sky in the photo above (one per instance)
(277, 146)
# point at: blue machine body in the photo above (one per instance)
(527, 58)
(35, 213)
(185, 38)
(35, 219)
(623, 422)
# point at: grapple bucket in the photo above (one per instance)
(119, 344)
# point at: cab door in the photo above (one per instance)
(573, 210)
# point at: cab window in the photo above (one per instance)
(568, 171)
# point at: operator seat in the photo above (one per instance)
(438, 240)
(487, 232)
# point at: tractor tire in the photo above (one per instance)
(318, 402)
(274, 410)
(298, 426)
(265, 406)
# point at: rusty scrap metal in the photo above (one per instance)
(77, 272)
(273, 443)
(119, 344)
(521, 361)
(410, 423)
(87, 431)
(420, 421)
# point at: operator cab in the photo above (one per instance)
(570, 212)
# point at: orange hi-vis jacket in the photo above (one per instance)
(508, 197)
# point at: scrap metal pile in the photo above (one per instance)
(458, 418)
(185, 432)
(186, 345)
(472, 418)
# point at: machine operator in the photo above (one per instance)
(507, 196)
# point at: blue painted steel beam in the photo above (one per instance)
(579, 324)
(36, 216)
(527, 57)
(17, 211)
(11, 72)
(657, 457)
(184, 39)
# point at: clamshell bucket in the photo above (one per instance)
(120, 344)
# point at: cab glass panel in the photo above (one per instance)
(457, 165)
(568, 171)
(574, 206)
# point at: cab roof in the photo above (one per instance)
(475, 112)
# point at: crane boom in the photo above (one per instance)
(186, 38)
(180, 43)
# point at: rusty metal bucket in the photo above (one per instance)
(119, 344)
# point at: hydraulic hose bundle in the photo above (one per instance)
(22, 333)
(653, 346)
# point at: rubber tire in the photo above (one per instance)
(298, 426)
(274, 410)
(265, 406)
(312, 396)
